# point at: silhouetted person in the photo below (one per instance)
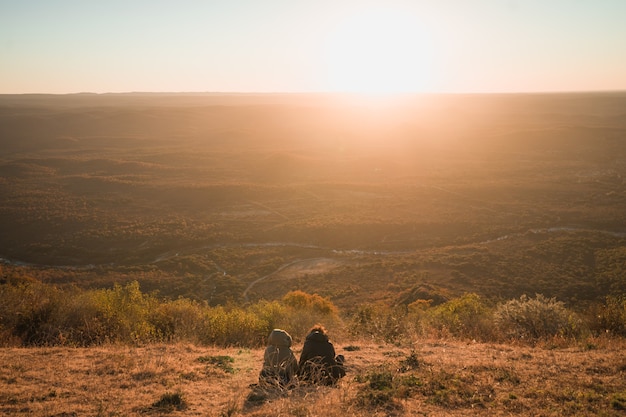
(318, 363)
(279, 362)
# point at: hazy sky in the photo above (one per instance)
(64, 46)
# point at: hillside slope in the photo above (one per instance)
(430, 378)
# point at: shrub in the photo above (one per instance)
(82, 322)
(233, 326)
(177, 320)
(611, 316)
(273, 313)
(123, 313)
(536, 318)
(313, 302)
(34, 313)
(465, 317)
(28, 310)
(379, 322)
(303, 310)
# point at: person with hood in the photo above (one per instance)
(279, 363)
(318, 363)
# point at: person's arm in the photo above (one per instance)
(329, 354)
(332, 350)
(269, 357)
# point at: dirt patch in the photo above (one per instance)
(268, 285)
(309, 267)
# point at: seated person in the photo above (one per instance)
(318, 363)
(279, 362)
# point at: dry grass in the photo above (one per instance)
(429, 378)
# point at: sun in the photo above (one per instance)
(379, 50)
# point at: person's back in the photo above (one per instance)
(318, 363)
(279, 362)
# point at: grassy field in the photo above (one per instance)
(423, 378)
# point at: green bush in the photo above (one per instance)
(305, 310)
(313, 302)
(81, 321)
(40, 314)
(124, 313)
(275, 314)
(464, 317)
(536, 318)
(233, 326)
(33, 313)
(178, 320)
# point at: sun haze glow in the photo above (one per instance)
(364, 46)
(380, 50)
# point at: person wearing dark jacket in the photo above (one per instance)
(318, 363)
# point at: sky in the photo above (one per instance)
(392, 46)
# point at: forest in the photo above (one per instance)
(240, 198)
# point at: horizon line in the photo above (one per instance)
(350, 93)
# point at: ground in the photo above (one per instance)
(426, 378)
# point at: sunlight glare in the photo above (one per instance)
(380, 51)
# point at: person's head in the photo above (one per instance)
(279, 337)
(318, 328)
